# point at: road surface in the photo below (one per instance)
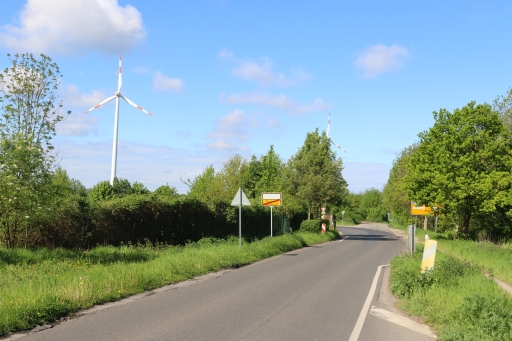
(332, 291)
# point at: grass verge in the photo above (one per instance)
(493, 259)
(456, 299)
(41, 286)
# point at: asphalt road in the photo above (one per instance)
(316, 293)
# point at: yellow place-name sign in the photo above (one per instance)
(420, 210)
(271, 199)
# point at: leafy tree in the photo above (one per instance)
(231, 176)
(139, 188)
(271, 171)
(24, 180)
(252, 176)
(370, 205)
(29, 113)
(503, 105)
(205, 187)
(28, 99)
(313, 174)
(463, 162)
(122, 187)
(394, 197)
(167, 192)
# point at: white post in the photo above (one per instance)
(271, 221)
(114, 146)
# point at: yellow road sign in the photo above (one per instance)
(271, 199)
(420, 210)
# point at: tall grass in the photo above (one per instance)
(41, 286)
(455, 299)
(492, 258)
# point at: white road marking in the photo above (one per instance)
(402, 321)
(362, 316)
(339, 241)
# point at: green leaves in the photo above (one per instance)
(463, 162)
(313, 174)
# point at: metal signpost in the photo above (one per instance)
(240, 200)
(271, 199)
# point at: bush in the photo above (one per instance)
(314, 226)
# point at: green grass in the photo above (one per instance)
(493, 259)
(456, 299)
(41, 286)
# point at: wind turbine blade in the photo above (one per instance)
(120, 80)
(334, 143)
(135, 105)
(328, 124)
(98, 105)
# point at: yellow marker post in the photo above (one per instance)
(429, 255)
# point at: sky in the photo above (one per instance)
(222, 77)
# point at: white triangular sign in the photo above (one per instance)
(237, 200)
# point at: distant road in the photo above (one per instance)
(315, 293)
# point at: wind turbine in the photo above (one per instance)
(117, 96)
(328, 129)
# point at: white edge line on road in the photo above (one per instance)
(364, 312)
(339, 241)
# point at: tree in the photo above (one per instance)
(24, 180)
(205, 187)
(270, 173)
(29, 113)
(394, 197)
(370, 205)
(463, 162)
(313, 174)
(28, 99)
(503, 105)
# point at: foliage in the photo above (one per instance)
(24, 179)
(29, 115)
(313, 174)
(314, 226)
(454, 298)
(28, 99)
(205, 187)
(167, 192)
(122, 187)
(394, 197)
(463, 162)
(370, 205)
(503, 106)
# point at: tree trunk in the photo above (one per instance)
(425, 223)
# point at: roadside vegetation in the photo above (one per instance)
(41, 286)
(456, 299)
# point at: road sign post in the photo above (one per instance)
(240, 200)
(271, 199)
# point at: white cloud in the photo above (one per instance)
(72, 97)
(230, 132)
(70, 27)
(262, 72)
(381, 59)
(152, 165)
(361, 176)
(141, 70)
(281, 102)
(162, 83)
(78, 125)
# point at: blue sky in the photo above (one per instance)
(225, 77)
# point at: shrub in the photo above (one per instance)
(314, 226)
